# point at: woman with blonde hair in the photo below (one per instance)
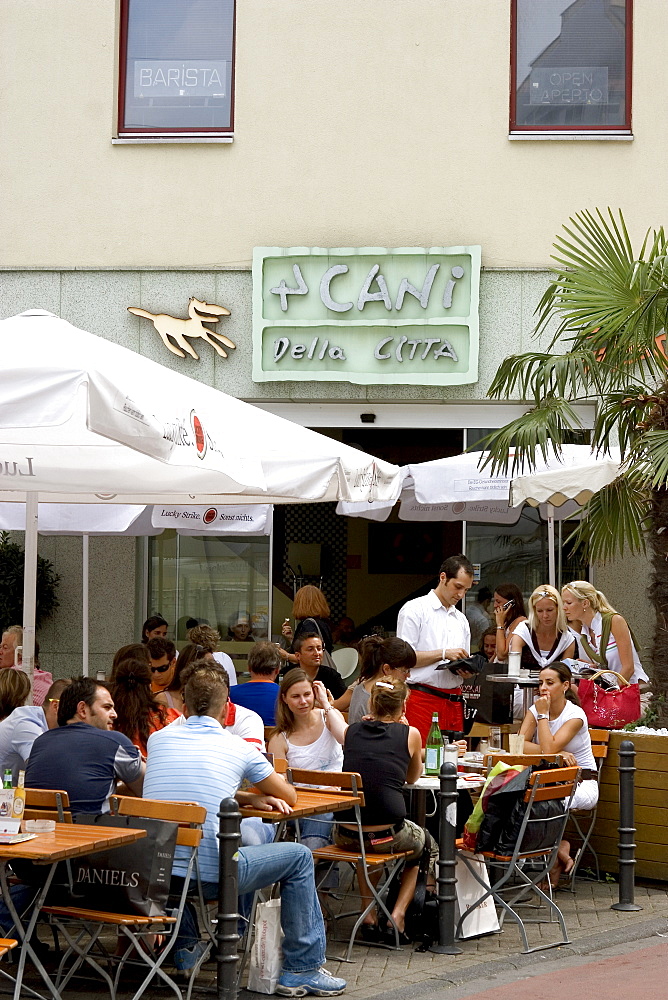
(387, 752)
(605, 638)
(312, 615)
(14, 689)
(545, 633)
(309, 735)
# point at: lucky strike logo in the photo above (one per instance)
(210, 515)
(190, 432)
(200, 436)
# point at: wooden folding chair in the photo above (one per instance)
(557, 784)
(43, 803)
(365, 864)
(82, 927)
(6, 944)
(586, 818)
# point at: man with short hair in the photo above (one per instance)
(261, 691)
(308, 650)
(83, 755)
(42, 679)
(438, 633)
(162, 653)
(201, 762)
(21, 728)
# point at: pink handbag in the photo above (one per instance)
(609, 709)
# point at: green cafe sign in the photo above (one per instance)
(367, 315)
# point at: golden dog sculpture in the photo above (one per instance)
(178, 329)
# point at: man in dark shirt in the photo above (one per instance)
(261, 691)
(84, 756)
(308, 650)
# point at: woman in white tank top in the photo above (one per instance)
(585, 606)
(556, 723)
(309, 734)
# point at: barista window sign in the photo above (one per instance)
(368, 316)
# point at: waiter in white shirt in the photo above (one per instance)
(438, 632)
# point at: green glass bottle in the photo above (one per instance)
(7, 780)
(433, 753)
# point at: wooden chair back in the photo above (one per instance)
(45, 803)
(189, 815)
(268, 730)
(556, 784)
(600, 738)
(348, 782)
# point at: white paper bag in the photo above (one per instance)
(266, 955)
(483, 920)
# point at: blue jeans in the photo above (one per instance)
(316, 831)
(301, 917)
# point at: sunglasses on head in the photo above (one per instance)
(160, 670)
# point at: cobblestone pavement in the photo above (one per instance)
(591, 925)
(411, 975)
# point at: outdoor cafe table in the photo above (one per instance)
(526, 683)
(310, 802)
(67, 841)
(428, 782)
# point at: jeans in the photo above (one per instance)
(301, 916)
(316, 831)
(254, 832)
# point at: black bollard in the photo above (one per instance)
(626, 845)
(227, 935)
(447, 862)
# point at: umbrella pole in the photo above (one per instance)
(30, 588)
(84, 602)
(550, 545)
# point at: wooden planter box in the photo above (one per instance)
(651, 806)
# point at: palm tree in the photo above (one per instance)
(606, 310)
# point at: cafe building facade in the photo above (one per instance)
(368, 206)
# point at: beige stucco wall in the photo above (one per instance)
(363, 123)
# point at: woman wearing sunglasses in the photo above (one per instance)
(138, 714)
(171, 692)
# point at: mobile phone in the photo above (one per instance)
(508, 604)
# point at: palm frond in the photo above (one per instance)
(619, 417)
(606, 299)
(655, 446)
(614, 521)
(539, 431)
(574, 375)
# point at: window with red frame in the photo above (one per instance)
(176, 67)
(571, 66)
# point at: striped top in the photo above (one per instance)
(200, 762)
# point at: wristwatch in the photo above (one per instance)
(539, 717)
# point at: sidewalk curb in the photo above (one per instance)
(609, 938)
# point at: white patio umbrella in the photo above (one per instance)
(133, 520)
(458, 489)
(576, 482)
(83, 420)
